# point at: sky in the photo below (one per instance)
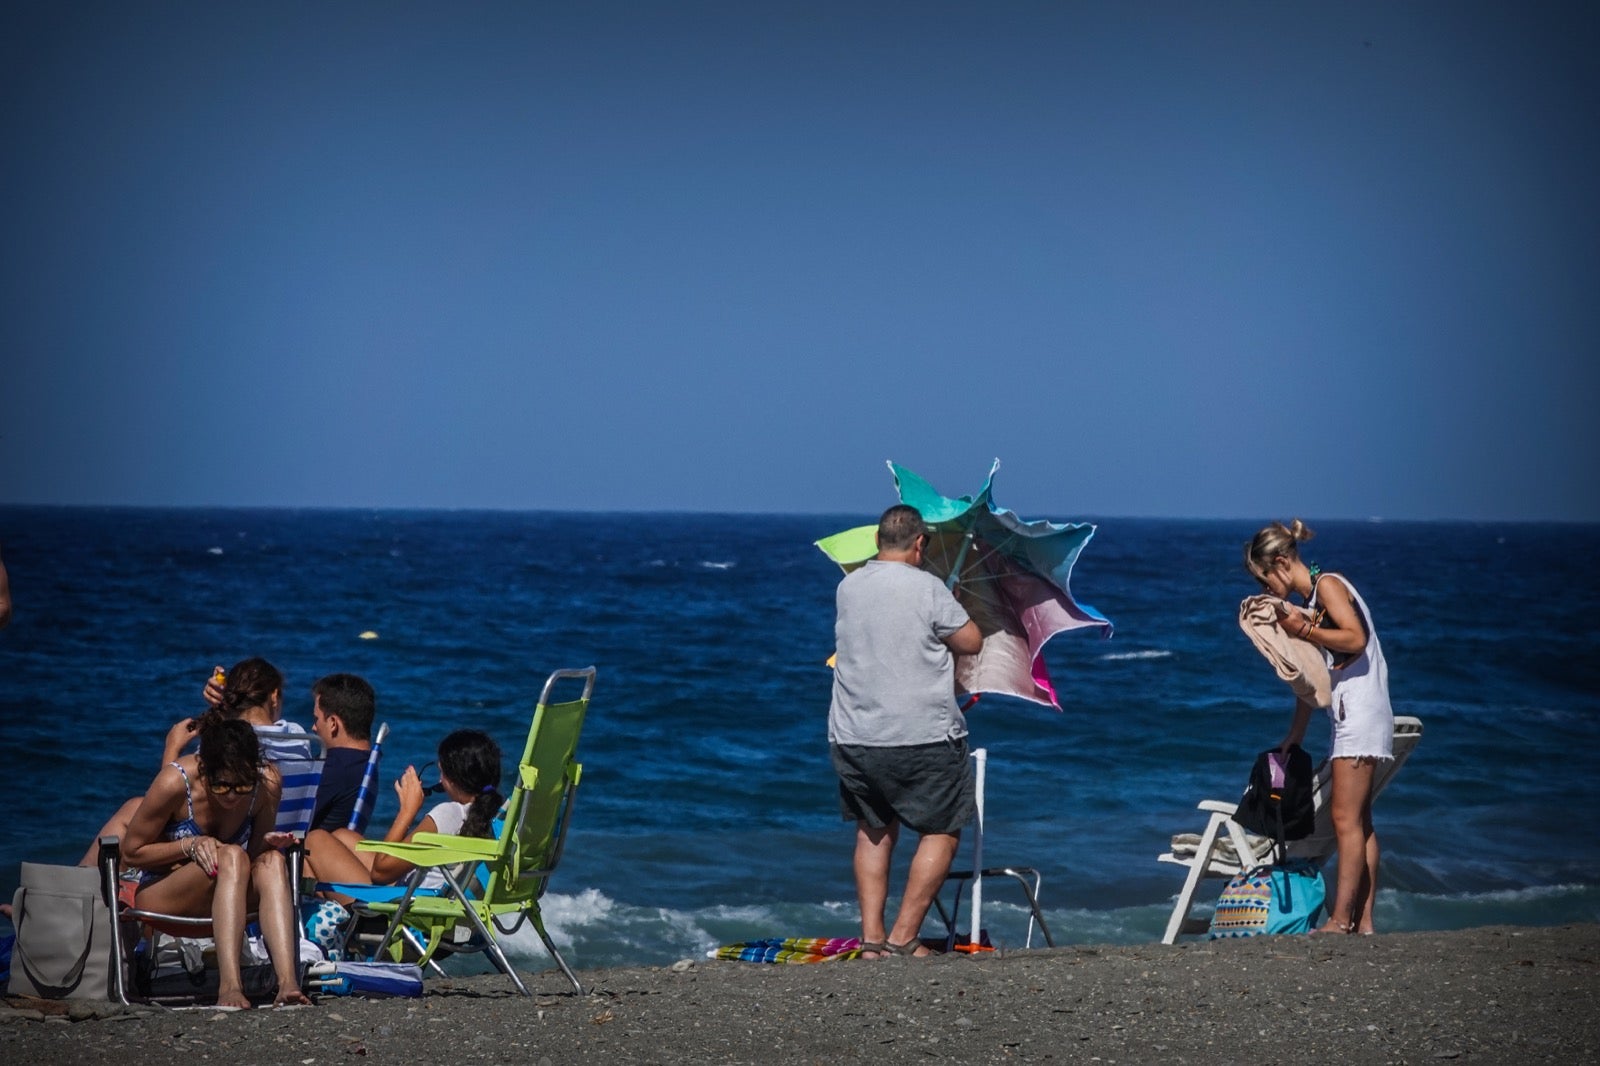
(1162, 259)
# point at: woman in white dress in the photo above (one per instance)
(1336, 620)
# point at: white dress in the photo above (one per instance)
(1363, 720)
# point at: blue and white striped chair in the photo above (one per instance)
(290, 749)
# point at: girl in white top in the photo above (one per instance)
(469, 775)
(1336, 620)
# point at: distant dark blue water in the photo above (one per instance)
(707, 813)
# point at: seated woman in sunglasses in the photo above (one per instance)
(469, 775)
(203, 844)
(252, 692)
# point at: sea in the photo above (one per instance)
(708, 813)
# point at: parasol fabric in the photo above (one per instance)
(1012, 576)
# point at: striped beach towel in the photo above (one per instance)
(791, 949)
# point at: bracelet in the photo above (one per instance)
(1306, 633)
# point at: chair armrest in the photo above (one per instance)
(435, 849)
(1218, 807)
(483, 847)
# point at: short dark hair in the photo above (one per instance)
(900, 527)
(351, 700)
(228, 749)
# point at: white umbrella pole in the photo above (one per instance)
(981, 758)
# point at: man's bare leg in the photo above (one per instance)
(874, 849)
(935, 852)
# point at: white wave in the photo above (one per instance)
(565, 913)
(736, 913)
(1531, 894)
(590, 926)
(1148, 653)
(213, 551)
(707, 564)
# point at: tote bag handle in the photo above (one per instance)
(55, 911)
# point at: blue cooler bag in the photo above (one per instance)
(1286, 898)
(373, 980)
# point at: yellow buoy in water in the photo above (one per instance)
(369, 635)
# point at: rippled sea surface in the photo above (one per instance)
(707, 812)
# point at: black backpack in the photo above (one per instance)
(1277, 801)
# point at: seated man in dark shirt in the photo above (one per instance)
(342, 713)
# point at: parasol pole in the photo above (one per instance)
(975, 933)
(961, 557)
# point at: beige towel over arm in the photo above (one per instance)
(1297, 661)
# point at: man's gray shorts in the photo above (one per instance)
(926, 786)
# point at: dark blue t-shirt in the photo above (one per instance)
(336, 794)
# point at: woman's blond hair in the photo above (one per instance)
(1273, 541)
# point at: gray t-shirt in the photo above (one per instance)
(893, 677)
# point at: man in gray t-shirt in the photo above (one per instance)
(895, 733)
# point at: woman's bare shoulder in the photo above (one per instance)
(170, 778)
(1332, 583)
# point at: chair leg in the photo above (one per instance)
(1018, 873)
(397, 920)
(952, 915)
(948, 919)
(107, 859)
(549, 945)
(484, 931)
(422, 949)
(1191, 884)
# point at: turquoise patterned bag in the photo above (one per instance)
(1286, 898)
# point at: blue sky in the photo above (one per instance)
(1187, 260)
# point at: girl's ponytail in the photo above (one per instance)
(471, 760)
(480, 815)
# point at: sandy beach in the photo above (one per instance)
(1483, 995)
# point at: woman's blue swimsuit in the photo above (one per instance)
(188, 827)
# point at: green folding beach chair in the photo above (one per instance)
(514, 869)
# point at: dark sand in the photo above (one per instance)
(1485, 995)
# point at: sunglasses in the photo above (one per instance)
(223, 788)
(430, 769)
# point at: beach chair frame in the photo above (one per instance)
(518, 864)
(1225, 849)
(130, 925)
(1027, 878)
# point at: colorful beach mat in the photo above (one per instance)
(791, 949)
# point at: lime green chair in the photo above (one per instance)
(512, 869)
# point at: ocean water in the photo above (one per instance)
(708, 812)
